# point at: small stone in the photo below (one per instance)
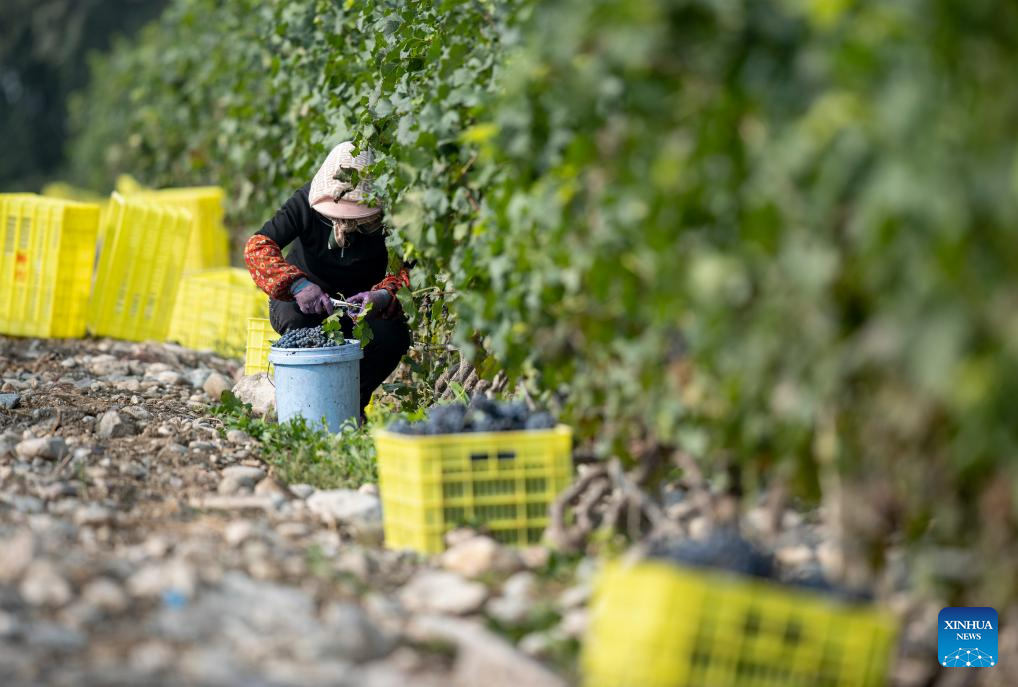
(509, 611)
(244, 475)
(9, 401)
(79, 614)
(171, 453)
(106, 595)
(302, 491)
(137, 412)
(574, 597)
(232, 503)
(26, 504)
(9, 626)
(215, 385)
(368, 488)
(48, 448)
(196, 378)
(237, 436)
(258, 391)
(516, 601)
(170, 378)
(459, 535)
(699, 528)
(587, 569)
(57, 490)
(272, 487)
(43, 585)
(8, 444)
(166, 430)
(238, 531)
(574, 623)
(18, 552)
(831, 558)
(794, 556)
(790, 520)
(535, 557)
(536, 644)
(229, 487)
(135, 470)
(438, 591)
(156, 546)
(483, 658)
(113, 426)
(151, 657)
(346, 507)
(521, 585)
(759, 519)
(154, 579)
(479, 555)
(351, 635)
(54, 637)
(93, 515)
(356, 562)
(108, 366)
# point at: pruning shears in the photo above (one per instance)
(352, 309)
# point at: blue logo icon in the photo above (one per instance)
(967, 637)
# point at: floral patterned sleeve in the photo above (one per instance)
(394, 282)
(270, 272)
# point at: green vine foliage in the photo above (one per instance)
(779, 233)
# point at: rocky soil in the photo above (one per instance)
(141, 547)
(141, 544)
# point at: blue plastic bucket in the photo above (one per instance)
(318, 383)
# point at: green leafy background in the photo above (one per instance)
(775, 233)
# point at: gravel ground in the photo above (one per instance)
(140, 546)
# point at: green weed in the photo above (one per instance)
(302, 453)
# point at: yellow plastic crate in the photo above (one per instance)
(213, 307)
(65, 191)
(503, 481)
(260, 336)
(210, 242)
(140, 265)
(48, 249)
(653, 624)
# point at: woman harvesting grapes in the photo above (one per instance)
(338, 248)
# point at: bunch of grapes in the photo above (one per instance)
(308, 337)
(482, 415)
(724, 549)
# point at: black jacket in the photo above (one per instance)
(357, 267)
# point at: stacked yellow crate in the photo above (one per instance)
(64, 191)
(140, 267)
(260, 336)
(213, 308)
(210, 243)
(47, 249)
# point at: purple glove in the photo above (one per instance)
(383, 303)
(311, 299)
